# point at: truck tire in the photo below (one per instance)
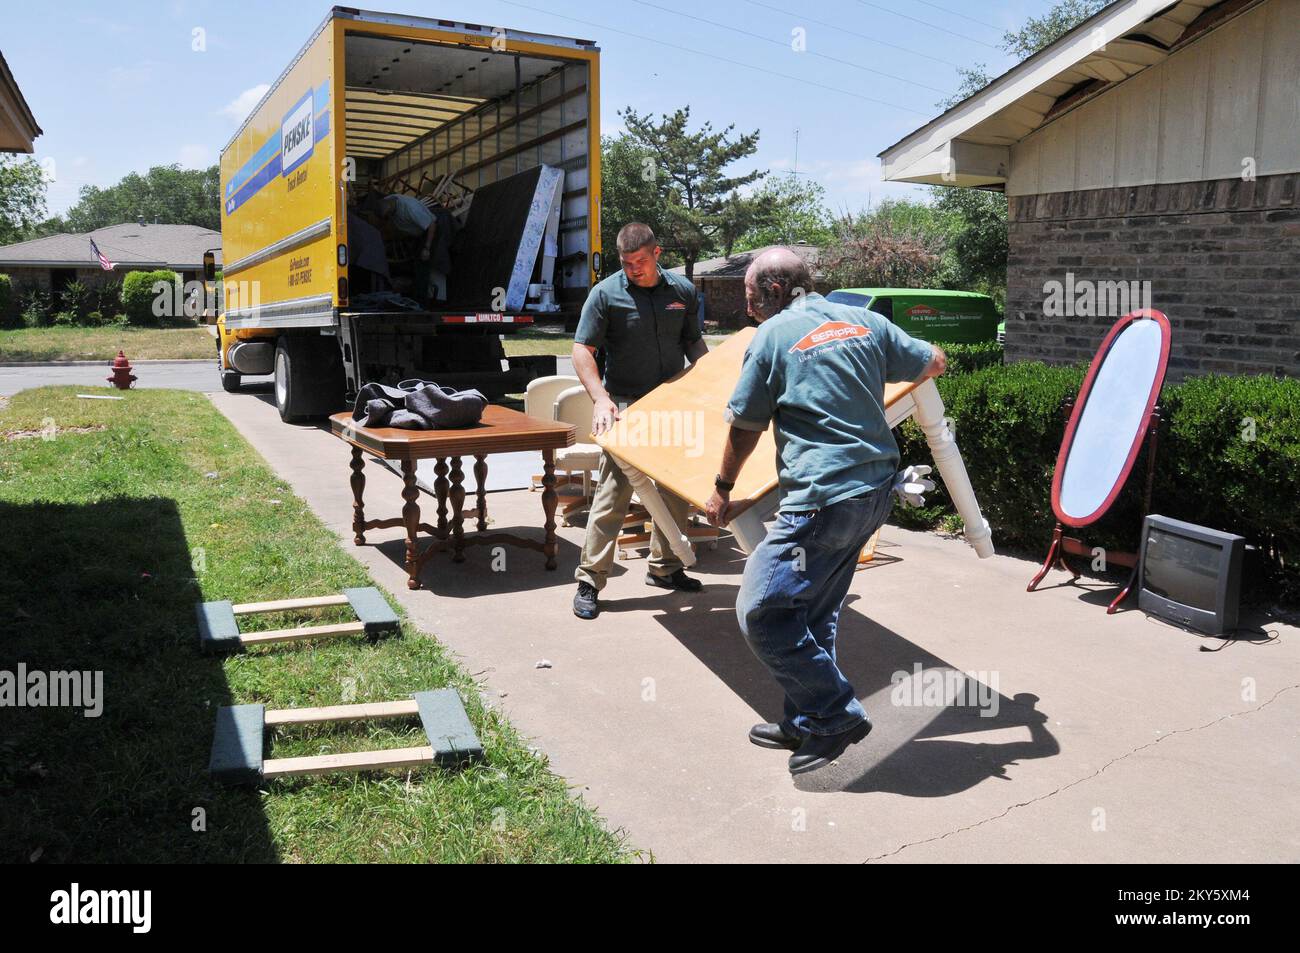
(230, 381)
(308, 377)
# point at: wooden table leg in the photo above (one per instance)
(440, 491)
(457, 511)
(358, 490)
(411, 516)
(549, 499)
(480, 480)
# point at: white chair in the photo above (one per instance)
(575, 406)
(539, 402)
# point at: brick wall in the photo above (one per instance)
(1223, 259)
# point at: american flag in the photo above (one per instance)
(103, 262)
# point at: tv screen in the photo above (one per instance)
(1181, 569)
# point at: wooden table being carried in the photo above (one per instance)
(500, 431)
(674, 435)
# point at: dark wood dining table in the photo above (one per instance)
(501, 430)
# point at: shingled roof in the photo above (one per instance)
(179, 247)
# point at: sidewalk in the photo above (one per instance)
(1114, 738)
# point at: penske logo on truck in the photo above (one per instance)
(306, 124)
(829, 332)
(295, 136)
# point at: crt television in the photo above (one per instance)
(1190, 574)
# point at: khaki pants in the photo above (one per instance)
(605, 522)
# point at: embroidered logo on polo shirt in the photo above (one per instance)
(676, 306)
(830, 332)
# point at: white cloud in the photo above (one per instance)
(239, 107)
(195, 156)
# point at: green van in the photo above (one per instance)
(945, 317)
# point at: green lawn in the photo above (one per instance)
(102, 344)
(118, 517)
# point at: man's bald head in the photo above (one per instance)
(773, 280)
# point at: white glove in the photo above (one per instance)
(909, 484)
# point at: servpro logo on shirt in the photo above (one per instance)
(829, 332)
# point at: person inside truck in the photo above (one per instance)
(418, 228)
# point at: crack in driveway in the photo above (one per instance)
(1066, 787)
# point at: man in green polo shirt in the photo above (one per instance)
(646, 321)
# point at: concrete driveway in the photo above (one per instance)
(1008, 726)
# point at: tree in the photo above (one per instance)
(1039, 32)
(22, 197)
(694, 201)
(789, 209)
(166, 194)
(894, 246)
(976, 258)
(625, 171)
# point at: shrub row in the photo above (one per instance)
(1228, 457)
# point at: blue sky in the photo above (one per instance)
(117, 87)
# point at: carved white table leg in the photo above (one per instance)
(943, 446)
(659, 515)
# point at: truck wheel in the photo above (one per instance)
(308, 377)
(230, 381)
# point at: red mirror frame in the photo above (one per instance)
(1081, 403)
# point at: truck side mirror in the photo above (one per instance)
(209, 266)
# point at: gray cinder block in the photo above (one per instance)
(237, 744)
(450, 734)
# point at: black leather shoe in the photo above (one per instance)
(678, 580)
(768, 735)
(585, 605)
(817, 751)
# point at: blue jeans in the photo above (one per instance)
(789, 606)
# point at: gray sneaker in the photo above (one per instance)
(585, 605)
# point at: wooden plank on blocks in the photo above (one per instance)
(285, 605)
(348, 761)
(361, 712)
(306, 632)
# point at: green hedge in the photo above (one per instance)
(1211, 467)
(138, 295)
(965, 358)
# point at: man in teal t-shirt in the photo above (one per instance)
(817, 370)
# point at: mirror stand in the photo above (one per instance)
(1063, 545)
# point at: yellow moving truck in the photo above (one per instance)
(498, 122)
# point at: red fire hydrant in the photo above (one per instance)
(122, 377)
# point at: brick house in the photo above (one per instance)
(53, 262)
(1156, 147)
(721, 282)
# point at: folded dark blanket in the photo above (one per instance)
(418, 405)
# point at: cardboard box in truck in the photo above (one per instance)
(328, 283)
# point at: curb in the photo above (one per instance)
(105, 363)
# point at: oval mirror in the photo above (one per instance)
(1110, 417)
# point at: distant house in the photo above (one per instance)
(53, 262)
(1158, 142)
(18, 126)
(721, 282)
